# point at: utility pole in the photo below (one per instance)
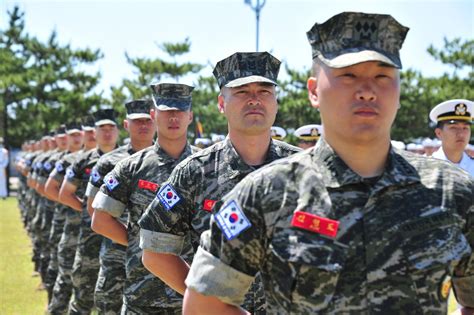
(257, 8)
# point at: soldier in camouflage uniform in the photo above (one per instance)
(88, 270)
(29, 192)
(74, 138)
(74, 187)
(136, 181)
(352, 226)
(183, 205)
(65, 226)
(45, 213)
(38, 204)
(20, 165)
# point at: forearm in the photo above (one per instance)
(110, 227)
(71, 200)
(195, 303)
(52, 190)
(170, 268)
(40, 189)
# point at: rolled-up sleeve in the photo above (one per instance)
(210, 276)
(103, 202)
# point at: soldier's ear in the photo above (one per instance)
(191, 116)
(152, 114)
(125, 124)
(312, 85)
(220, 103)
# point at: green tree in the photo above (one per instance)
(42, 82)
(420, 94)
(169, 68)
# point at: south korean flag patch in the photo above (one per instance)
(69, 172)
(47, 166)
(232, 220)
(59, 167)
(168, 196)
(111, 182)
(95, 176)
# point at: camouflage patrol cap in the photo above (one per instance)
(87, 123)
(172, 96)
(243, 68)
(61, 130)
(350, 38)
(137, 109)
(106, 116)
(72, 127)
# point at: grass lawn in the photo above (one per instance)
(18, 294)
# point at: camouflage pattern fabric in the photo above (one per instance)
(138, 180)
(241, 65)
(58, 220)
(68, 241)
(47, 214)
(86, 260)
(62, 289)
(38, 209)
(198, 181)
(108, 293)
(352, 32)
(402, 237)
(172, 96)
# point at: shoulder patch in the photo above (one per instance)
(47, 166)
(95, 176)
(110, 181)
(168, 196)
(232, 220)
(59, 166)
(69, 172)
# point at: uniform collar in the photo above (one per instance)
(337, 174)
(163, 157)
(439, 154)
(130, 149)
(236, 165)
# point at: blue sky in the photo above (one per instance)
(218, 28)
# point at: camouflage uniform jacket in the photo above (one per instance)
(49, 165)
(195, 184)
(104, 165)
(38, 162)
(78, 174)
(60, 167)
(402, 239)
(138, 179)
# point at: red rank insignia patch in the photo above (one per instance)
(144, 184)
(208, 204)
(88, 171)
(314, 223)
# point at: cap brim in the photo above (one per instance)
(139, 116)
(163, 107)
(72, 131)
(247, 80)
(87, 128)
(352, 58)
(105, 122)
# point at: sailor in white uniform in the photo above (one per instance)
(453, 120)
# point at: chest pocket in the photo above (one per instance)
(307, 269)
(141, 198)
(432, 252)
